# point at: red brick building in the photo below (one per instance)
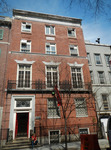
(5, 29)
(47, 51)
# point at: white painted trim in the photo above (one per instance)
(54, 130)
(25, 61)
(5, 43)
(51, 63)
(75, 64)
(85, 128)
(48, 21)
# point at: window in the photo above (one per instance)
(24, 76)
(81, 109)
(91, 74)
(54, 137)
(73, 50)
(52, 76)
(25, 46)
(53, 109)
(1, 34)
(50, 48)
(105, 101)
(26, 27)
(110, 77)
(89, 59)
(98, 59)
(71, 32)
(83, 131)
(107, 59)
(50, 30)
(101, 77)
(76, 77)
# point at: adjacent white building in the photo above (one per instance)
(100, 69)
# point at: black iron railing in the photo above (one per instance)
(43, 85)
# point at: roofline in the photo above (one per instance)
(95, 44)
(45, 16)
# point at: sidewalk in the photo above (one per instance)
(103, 143)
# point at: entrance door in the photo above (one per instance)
(22, 124)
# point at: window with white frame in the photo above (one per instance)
(89, 59)
(24, 76)
(26, 27)
(105, 101)
(54, 136)
(76, 77)
(53, 109)
(25, 46)
(52, 76)
(50, 48)
(81, 107)
(49, 30)
(107, 59)
(83, 130)
(101, 77)
(73, 50)
(98, 59)
(91, 74)
(71, 32)
(22, 103)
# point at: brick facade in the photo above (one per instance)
(37, 60)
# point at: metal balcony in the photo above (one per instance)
(39, 85)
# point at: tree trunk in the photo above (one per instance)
(65, 134)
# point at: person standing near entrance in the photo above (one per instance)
(34, 140)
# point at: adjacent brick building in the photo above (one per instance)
(48, 51)
(5, 29)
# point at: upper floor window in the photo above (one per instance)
(50, 48)
(52, 76)
(89, 59)
(81, 108)
(24, 76)
(101, 77)
(71, 32)
(73, 50)
(25, 46)
(105, 101)
(50, 30)
(107, 59)
(26, 27)
(98, 59)
(1, 34)
(53, 109)
(91, 74)
(76, 77)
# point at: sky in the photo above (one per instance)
(93, 26)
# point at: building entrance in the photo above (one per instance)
(22, 124)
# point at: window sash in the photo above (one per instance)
(101, 77)
(73, 50)
(26, 27)
(50, 30)
(50, 49)
(53, 109)
(1, 34)
(98, 59)
(105, 102)
(24, 76)
(25, 46)
(107, 59)
(54, 136)
(81, 107)
(71, 32)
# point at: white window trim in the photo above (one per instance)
(59, 134)
(54, 117)
(50, 30)
(71, 30)
(27, 42)
(50, 44)
(84, 128)
(89, 58)
(106, 60)
(30, 78)
(27, 31)
(74, 47)
(107, 101)
(23, 108)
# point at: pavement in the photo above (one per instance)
(103, 143)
